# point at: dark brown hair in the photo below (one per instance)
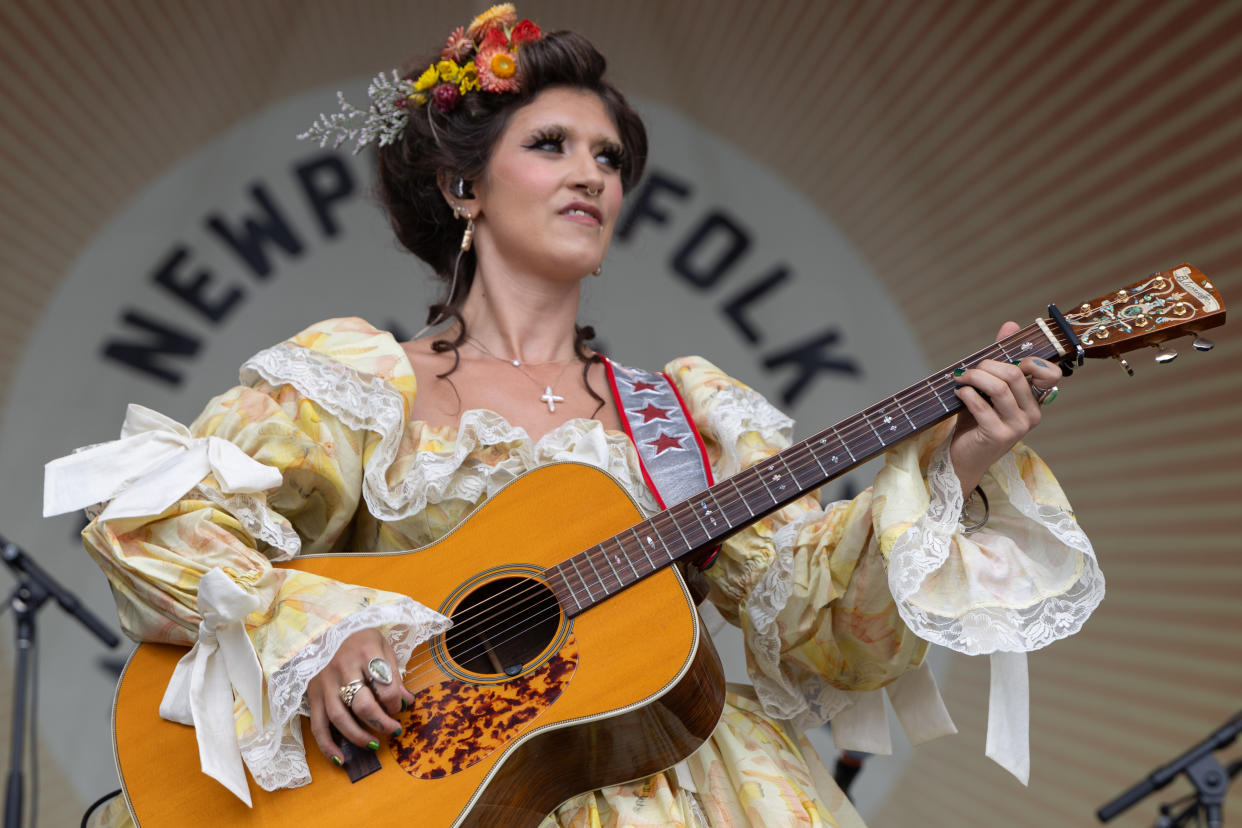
(459, 143)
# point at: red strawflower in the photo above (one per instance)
(494, 37)
(524, 32)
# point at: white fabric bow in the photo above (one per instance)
(201, 690)
(155, 462)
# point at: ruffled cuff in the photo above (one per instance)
(224, 664)
(1026, 579)
(275, 754)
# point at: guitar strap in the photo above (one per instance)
(670, 451)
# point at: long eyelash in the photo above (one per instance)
(545, 136)
(615, 153)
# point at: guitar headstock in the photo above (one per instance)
(1163, 306)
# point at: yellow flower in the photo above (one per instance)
(469, 84)
(418, 98)
(448, 71)
(427, 79)
(502, 15)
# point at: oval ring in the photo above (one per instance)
(379, 670)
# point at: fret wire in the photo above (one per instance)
(759, 474)
(660, 536)
(724, 515)
(844, 445)
(733, 480)
(608, 561)
(673, 519)
(660, 533)
(561, 571)
(789, 471)
(598, 577)
(867, 420)
(578, 572)
(1001, 345)
(626, 556)
(688, 504)
(815, 455)
(643, 549)
(902, 409)
(936, 394)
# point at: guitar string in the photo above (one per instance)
(753, 486)
(917, 403)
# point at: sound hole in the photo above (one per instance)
(503, 626)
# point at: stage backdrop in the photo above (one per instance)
(840, 198)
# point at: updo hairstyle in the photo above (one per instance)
(459, 143)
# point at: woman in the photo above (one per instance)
(503, 164)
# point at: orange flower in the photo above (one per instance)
(497, 69)
(495, 17)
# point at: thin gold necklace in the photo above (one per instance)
(548, 396)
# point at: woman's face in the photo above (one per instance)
(548, 200)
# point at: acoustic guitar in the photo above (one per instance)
(576, 658)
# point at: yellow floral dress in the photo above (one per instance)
(828, 598)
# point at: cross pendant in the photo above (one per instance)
(550, 398)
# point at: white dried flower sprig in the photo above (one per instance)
(382, 122)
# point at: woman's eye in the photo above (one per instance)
(550, 143)
(609, 157)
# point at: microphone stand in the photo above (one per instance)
(1209, 777)
(34, 588)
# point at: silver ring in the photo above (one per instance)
(348, 691)
(379, 670)
(1045, 396)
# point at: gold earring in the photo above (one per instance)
(598, 269)
(467, 237)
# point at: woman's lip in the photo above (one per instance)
(592, 214)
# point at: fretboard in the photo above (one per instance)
(703, 520)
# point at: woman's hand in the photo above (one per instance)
(991, 425)
(371, 713)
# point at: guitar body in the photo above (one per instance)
(504, 726)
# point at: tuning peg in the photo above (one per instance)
(1125, 365)
(1202, 343)
(1164, 354)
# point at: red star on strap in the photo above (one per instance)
(652, 412)
(639, 385)
(664, 442)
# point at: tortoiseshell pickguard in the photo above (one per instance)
(455, 724)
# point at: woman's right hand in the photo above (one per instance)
(373, 706)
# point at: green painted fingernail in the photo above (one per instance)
(336, 760)
(1016, 361)
(373, 745)
(397, 733)
(959, 372)
(957, 385)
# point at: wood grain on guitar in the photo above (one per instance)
(576, 659)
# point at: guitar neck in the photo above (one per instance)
(703, 520)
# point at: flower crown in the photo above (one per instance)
(481, 57)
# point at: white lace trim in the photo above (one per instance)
(367, 402)
(1042, 541)
(275, 755)
(737, 411)
(806, 699)
(259, 519)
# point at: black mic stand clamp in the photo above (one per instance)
(1206, 774)
(34, 588)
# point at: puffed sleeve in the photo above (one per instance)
(842, 598)
(200, 571)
